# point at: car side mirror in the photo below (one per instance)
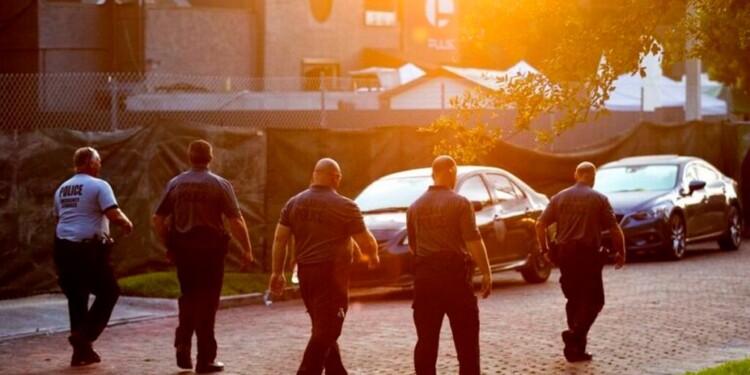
(478, 206)
(695, 185)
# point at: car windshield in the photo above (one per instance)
(636, 178)
(392, 195)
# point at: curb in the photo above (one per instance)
(238, 300)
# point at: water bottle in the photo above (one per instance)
(295, 278)
(267, 297)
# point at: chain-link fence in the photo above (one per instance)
(101, 101)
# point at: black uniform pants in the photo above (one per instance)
(581, 282)
(325, 291)
(200, 272)
(84, 269)
(442, 286)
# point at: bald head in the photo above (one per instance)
(443, 163)
(585, 173)
(444, 171)
(327, 172)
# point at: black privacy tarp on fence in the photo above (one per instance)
(266, 167)
(137, 163)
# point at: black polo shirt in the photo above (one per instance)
(581, 213)
(322, 222)
(198, 198)
(440, 221)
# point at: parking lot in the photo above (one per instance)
(660, 318)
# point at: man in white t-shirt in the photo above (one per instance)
(84, 207)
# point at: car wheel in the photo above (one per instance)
(733, 236)
(676, 237)
(538, 269)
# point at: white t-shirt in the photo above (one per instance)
(80, 203)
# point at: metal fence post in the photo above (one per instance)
(113, 101)
(322, 106)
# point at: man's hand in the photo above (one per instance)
(170, 257)
(127, 227)
(277, 284)
(486, 285)
(545, 253)
(247, 260)
(373, 262)
(619, 260)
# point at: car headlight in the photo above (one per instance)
(659, 211)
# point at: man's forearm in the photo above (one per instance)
(279, 256)
(541, 235)
(278, 252)
(618, 239)
(479, 254)
(160, 227)
(239, 231)
(366, 243)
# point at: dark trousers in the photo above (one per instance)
(84, 269)
(201, 275)
(325, 291)
(443, 287)
(581, 282)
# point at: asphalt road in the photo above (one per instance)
(661, 317)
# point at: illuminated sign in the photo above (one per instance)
(439, 12)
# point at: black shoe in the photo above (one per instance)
(577, 356)
(182, 353)
(83, 357)
(204, 368)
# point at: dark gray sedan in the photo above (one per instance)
(664, 202)
(506, 209)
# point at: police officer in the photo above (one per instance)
(322, 224)
(446, 244)
(581, 214)
(84, 207)
(189, 223)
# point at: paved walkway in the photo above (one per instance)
(660, 318)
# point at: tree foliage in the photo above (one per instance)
(581, 47)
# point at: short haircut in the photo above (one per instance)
(586, 168)
(83, 156)
(200, 152)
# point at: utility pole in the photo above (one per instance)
(692, 81)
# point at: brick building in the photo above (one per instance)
(249, 38)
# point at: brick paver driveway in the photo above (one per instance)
(660, 318)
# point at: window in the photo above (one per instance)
(706, 174)
(380, 12)
(504, 188)
(474, 190)
(320, 74)
(691, 174)
(656, 177)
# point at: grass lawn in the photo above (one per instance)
(740, 367)
(165, 285)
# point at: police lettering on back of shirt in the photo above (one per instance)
(311, 211)
(70, 195)
(194, 192)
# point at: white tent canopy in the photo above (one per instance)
(636, 93)
(632, 94)
(488, 78)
